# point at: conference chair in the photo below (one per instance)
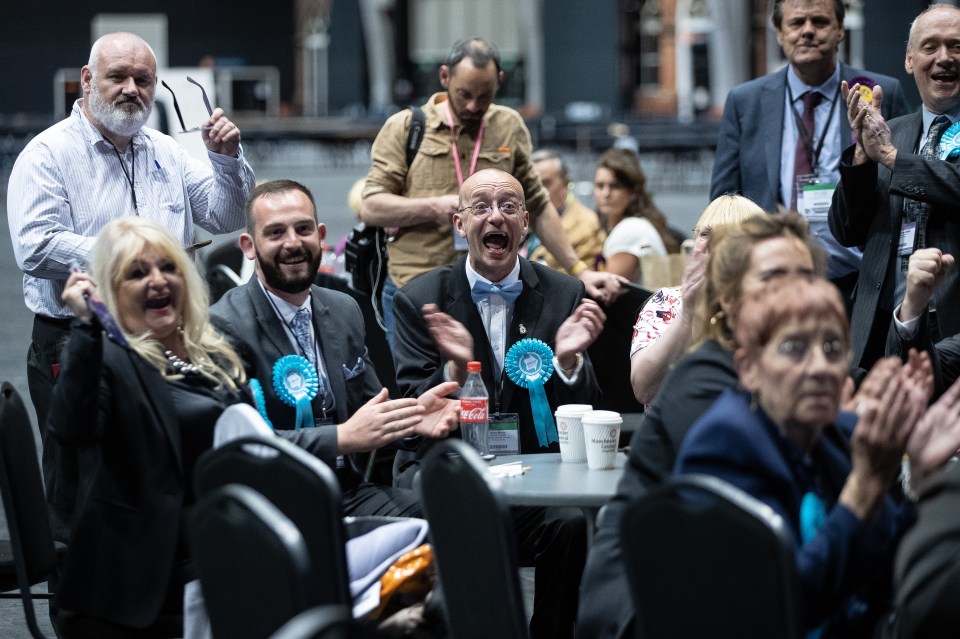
(30, 556)
(302, 487)
(474, 544)
(253, 563)
(325, 622)
(705, 559)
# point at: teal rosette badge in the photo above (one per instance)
(296, 384)
(259, 400)
(950, 142)
(529, 364)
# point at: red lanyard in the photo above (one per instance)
(453, 146)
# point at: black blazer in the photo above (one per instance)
(548, 299)
(867, 211)
(119, 410)
(247, 319)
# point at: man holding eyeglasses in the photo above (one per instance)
(475, 310)
(99, 164)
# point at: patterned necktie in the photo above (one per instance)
(803, 154)
(301, 332)
(483, 290)
(915, 210)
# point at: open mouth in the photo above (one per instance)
(944, 77)
(158, 303)
(294, 258)
(495, 241)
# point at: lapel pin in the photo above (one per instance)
(523, 329)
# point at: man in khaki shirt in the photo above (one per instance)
(420, 200)
(581, 224)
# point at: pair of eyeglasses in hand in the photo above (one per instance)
(176, 105)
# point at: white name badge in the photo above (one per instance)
(814, 201)
(908, 237)
(503, 436)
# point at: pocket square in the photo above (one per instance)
(356, 371)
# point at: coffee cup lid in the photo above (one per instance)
(602, 417)
(573, 409)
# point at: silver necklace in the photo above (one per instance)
(179, 366)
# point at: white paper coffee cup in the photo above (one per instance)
(570, 431)
(601, 435)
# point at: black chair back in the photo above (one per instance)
(325, 622)
(254, 566)
(610, 352)
(474, 543)
(34, 556)
(302, 487)
(705, 559)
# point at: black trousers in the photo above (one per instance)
(61, 474)
(555, 540)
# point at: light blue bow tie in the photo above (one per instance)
(483, 290)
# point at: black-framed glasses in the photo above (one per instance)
(480, 209)
(176, 105)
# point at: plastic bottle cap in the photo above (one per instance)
(473, 367)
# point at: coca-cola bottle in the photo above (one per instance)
(474, 403)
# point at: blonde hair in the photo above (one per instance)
(726, 209)
(731, 250)
(120, 243)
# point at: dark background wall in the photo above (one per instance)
(37, 37)
(580, 41)
(888, 24)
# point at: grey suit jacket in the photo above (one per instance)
(751, 134)
(867, 211)
(245, 316)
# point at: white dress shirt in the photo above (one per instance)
(67, 184)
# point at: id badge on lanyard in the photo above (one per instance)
(503, 437)
(814, 198)
(460, 243)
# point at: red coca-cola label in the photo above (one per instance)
(473, 410)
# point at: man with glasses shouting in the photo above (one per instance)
(479, 308)
(98, 164)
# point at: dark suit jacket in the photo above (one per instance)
(742, 446)
(119, 410)
(944, 355)
(247, 319)
(688, 391)
(547, 300)
(927, 575)
(867, 211)
(751, 134)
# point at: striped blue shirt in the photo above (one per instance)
(68, 183)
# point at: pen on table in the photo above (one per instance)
(157, 164)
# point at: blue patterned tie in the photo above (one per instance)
(915, 210)
(483, 290)
(301, 332)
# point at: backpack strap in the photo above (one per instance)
(415, 133)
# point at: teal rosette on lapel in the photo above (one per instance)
(529, 364)
(259, 400)
(950, 142)
(296, 384)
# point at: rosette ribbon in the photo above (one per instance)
(529, 364)
(950, 142)
(259, 400)
(296, 384)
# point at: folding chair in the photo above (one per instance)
(254, 566)
(302, 487)
(474, 543)
(705, 559)
(30, 557)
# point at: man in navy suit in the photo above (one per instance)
(900, 188)
(262, 320)
(770, 149)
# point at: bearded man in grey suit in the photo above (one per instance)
(280, 312)
(770, 147)
(900, 187)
